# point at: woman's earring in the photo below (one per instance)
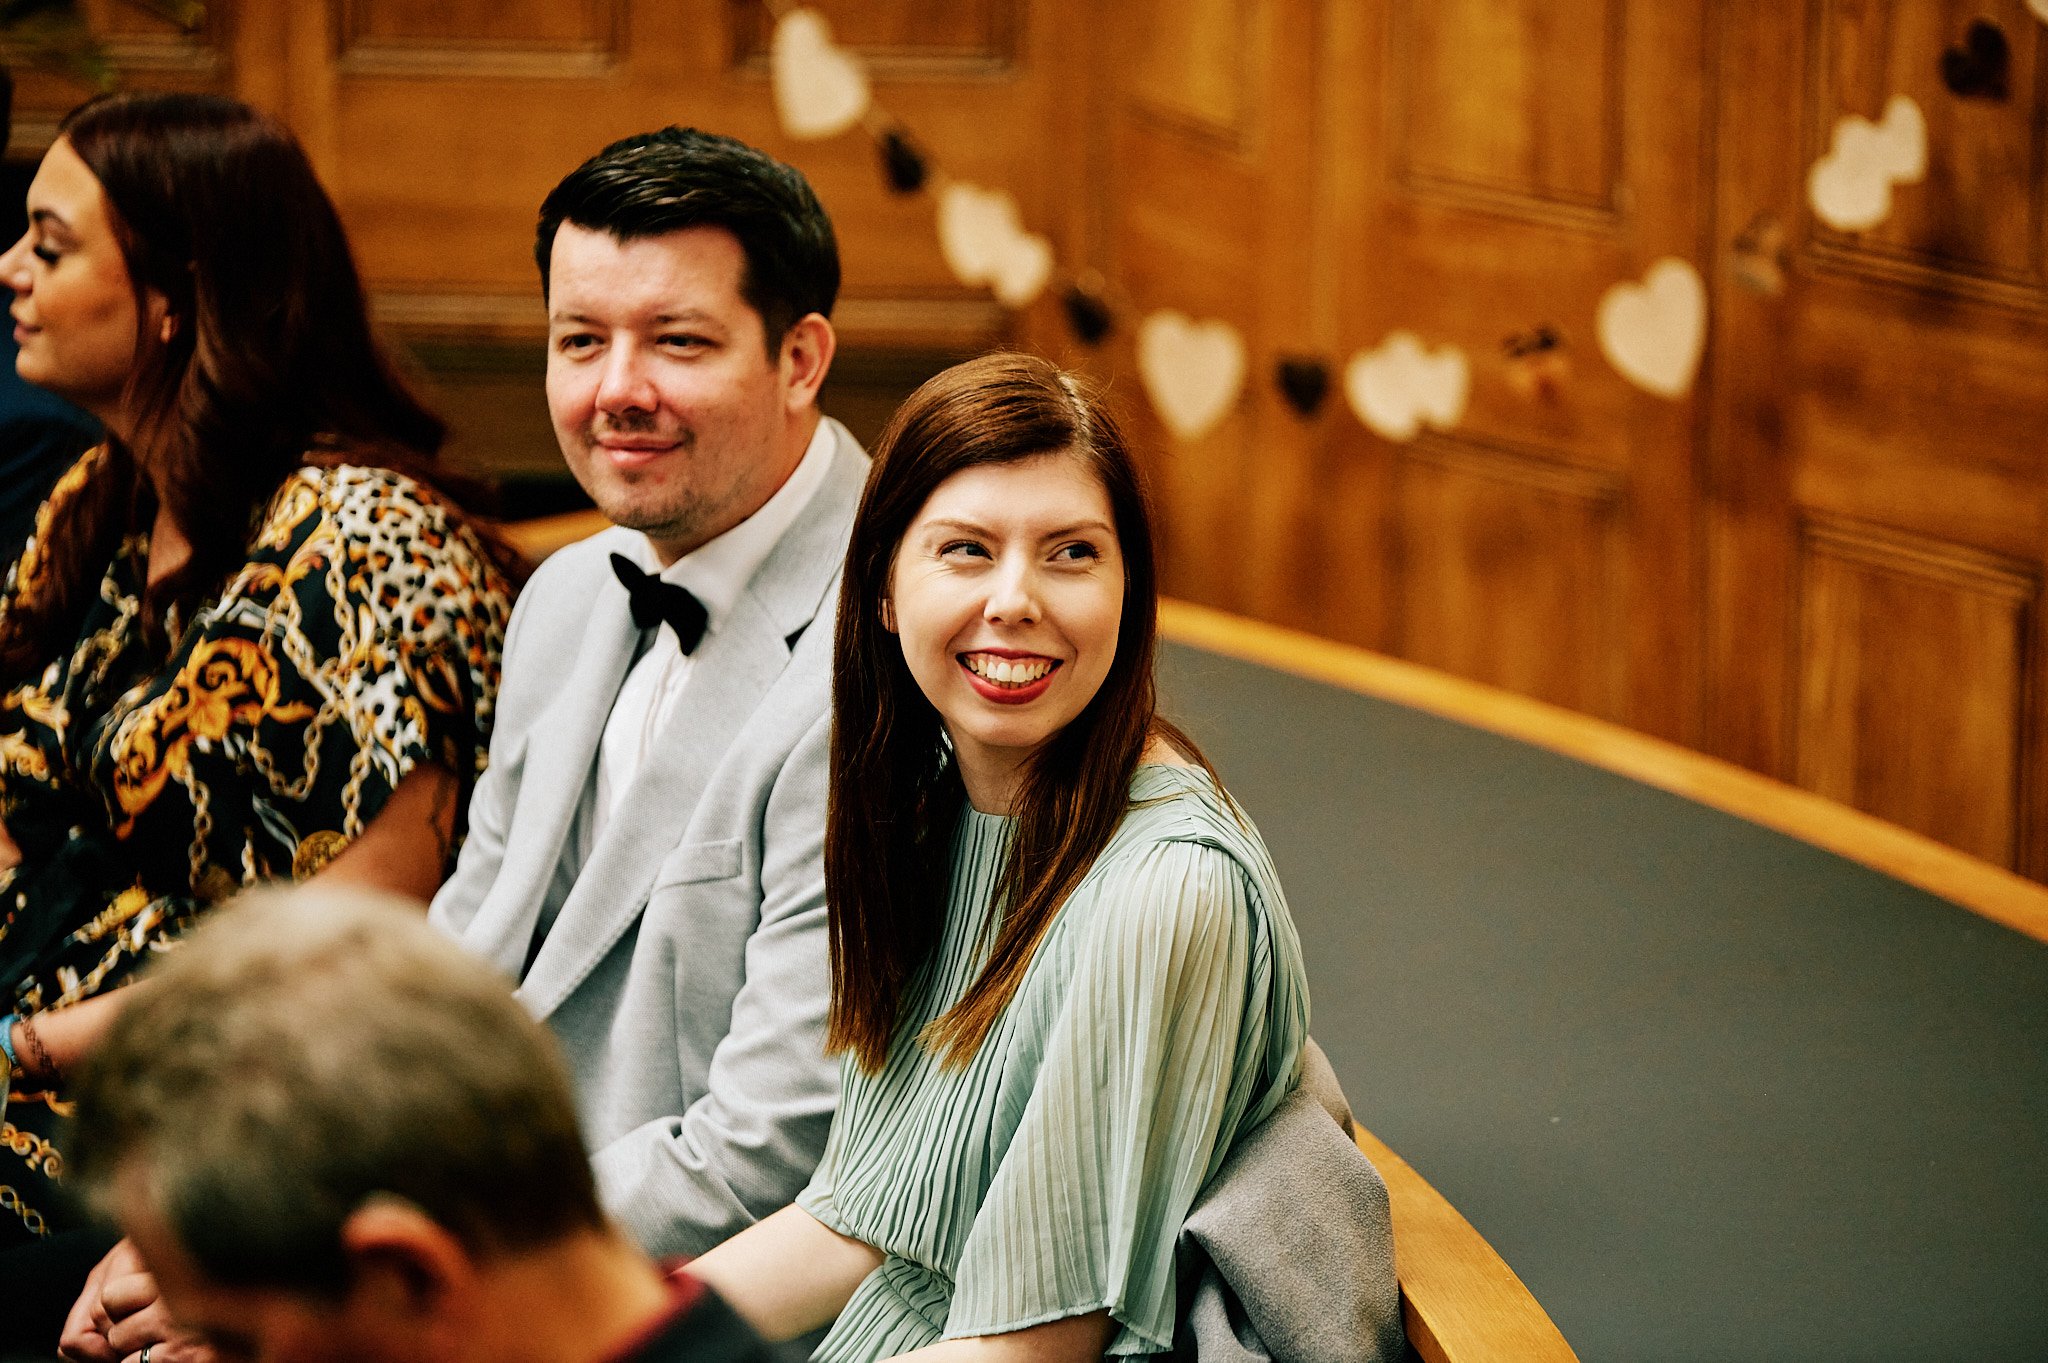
(889, 616)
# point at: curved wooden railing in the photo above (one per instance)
(1961, 879)
(543, 535)
(1460, 1302)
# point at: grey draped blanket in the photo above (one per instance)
(1288, 1254)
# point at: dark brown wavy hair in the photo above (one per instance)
(272, 363)
(895, 793)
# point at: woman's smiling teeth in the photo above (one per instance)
(1007, 671)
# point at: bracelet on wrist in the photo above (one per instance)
(46, 1069)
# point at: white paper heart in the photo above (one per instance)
(1850, 189)
(984, 243)
(1653, 332)
(820, 90)
(1193, 371)
(1399, 385)
(1021, 274)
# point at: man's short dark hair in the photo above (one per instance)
(660, 182)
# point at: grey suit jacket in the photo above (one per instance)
(685, 971)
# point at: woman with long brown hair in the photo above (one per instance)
(1064, 978)
(244, 642)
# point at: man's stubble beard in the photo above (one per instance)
(671, 520)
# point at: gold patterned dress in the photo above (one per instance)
(143, 784)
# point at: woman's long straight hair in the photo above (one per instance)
(270, 363)
(895, 794)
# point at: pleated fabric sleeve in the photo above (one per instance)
(1163, 1013)
(1134, 1104)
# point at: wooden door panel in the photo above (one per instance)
(1975, 223)
(897, 37)
(1515, 160)
(537, 24)
(1877, 491)
(1477, 281)
(1189, 61)
(463, 116)
(1918, 416)
(1508, 100)
(1208, 158)
(1913, 683)
(1490, 534)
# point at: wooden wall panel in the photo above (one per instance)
(903, 39)
(1976, 224)
(1188, 62)
(1913, 684)
(1514, 161)
(527, 23)
(1526, 545)
(535, 38)
(1517, 99)
(1895, 384)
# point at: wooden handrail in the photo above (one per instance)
(1991, 891)
(543, 535)
(1460, 1302)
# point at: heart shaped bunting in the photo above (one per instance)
(1193, 371)
(985, 243)
(1399, 386)
(820, 90)
(1653, 332)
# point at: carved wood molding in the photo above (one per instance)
(999, 55)
(1556, 209)
(1845, 254)
(358, 52)
(187, 54)
(966, 324)
(1831, 253)
(1524, 466)
(1238, 138)
(1830, 546)
(1919, 558)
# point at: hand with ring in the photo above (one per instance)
(120, 1318)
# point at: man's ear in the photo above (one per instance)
(407, 1271)
(807, 350)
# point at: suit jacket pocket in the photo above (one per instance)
(698, 861)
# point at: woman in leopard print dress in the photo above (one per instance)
(246, 642)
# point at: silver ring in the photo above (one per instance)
(145, 1353)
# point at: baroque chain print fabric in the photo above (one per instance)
(362, 637)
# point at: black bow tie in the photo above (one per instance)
(655, 601)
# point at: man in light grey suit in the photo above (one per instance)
(645, 851)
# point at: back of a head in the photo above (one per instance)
(307, 1051)
(678, 178)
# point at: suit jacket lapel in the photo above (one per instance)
(560, 766)
(734, 669)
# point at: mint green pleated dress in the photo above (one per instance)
(1163, 1014)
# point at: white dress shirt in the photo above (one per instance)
(716, 573)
